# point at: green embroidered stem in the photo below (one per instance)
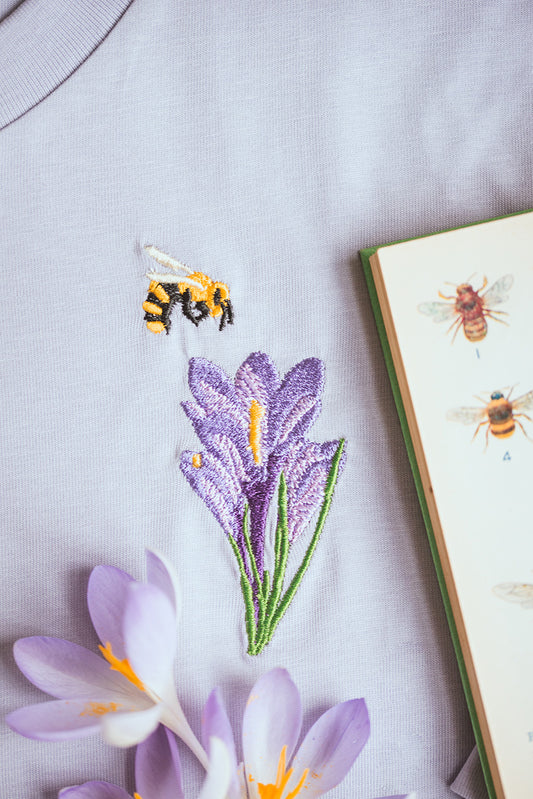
(248, 597)
(278, 614)
(282, 549)
(260, 596)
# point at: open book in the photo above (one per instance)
(454, 312)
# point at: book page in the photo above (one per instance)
(461, 308)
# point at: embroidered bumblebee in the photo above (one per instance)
(198, 295)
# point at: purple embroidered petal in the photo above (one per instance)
(212, 485)
(297, 402)
(62, 719)
(213, 390)
(272, 720)
(216, 432)
(193, 411)
(257, 379)
(149, 635)
(106, 597)
(306, 469)
(157, 766)
(331, 747)
(215, 724)
(94, 790)
(68, 671)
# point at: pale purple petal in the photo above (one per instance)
(209, 483)
(94, 790)
(400, 796)
(106, 598)
(129, 729)
(157, 766)
(68, 671)
(212, 389)
(150, 635)
(215, 724)
(297, 402)
(257, 379)
(217, 782)
(161, 573)
(63, 719)
(331, 747)
(272, 720)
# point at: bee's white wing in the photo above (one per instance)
(466, 415)
(165, 260)
(439, 311)
(498, 291)
(518, 593)
(166, 277)
(523, 403)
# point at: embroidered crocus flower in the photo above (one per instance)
(254, 432)
(271, 727)
(158, 773)
(127, 690)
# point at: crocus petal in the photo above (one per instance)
(297, 402)
(94, 790)
(161, 573)
(149, 635)
(128, 729)
(212, 388)
(215, 725)
(400, 796)
(272, 720)
(157, 766)
(63, 719)
(330, 747)
(106, 598)
(257, 379)
(68, 671)
(219, 774)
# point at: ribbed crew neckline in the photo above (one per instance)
(42, 42)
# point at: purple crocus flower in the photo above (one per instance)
(125, 694)
(253, 429)
(271, 769)
(158, 773)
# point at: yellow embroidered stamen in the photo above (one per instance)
(121, 666)
(137, 796)
(99, 709)
(197, 460)
(275, 791)
(256, 414)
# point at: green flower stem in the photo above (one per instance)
(274, 618)
(248, 597)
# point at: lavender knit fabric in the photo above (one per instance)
(263, 144)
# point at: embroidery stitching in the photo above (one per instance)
(198, 295)
(254, 433)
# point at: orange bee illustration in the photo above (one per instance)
(469, 308)
(499, 414)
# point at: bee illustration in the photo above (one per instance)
(198, 295)
(500, 414)
(469, 308)
(518, 593)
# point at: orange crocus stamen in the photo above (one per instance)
(256, 414)
(99, 709)
(121, 666)
(137, 796)
(275, 791)
(197, 460)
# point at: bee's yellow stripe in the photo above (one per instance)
(151, 307)
(155, 327)
(159, 291)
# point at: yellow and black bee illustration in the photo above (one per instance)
(500, 414)
(198, 295)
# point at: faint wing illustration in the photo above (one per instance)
(439, 311)
(498, 291)
(518, 593)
